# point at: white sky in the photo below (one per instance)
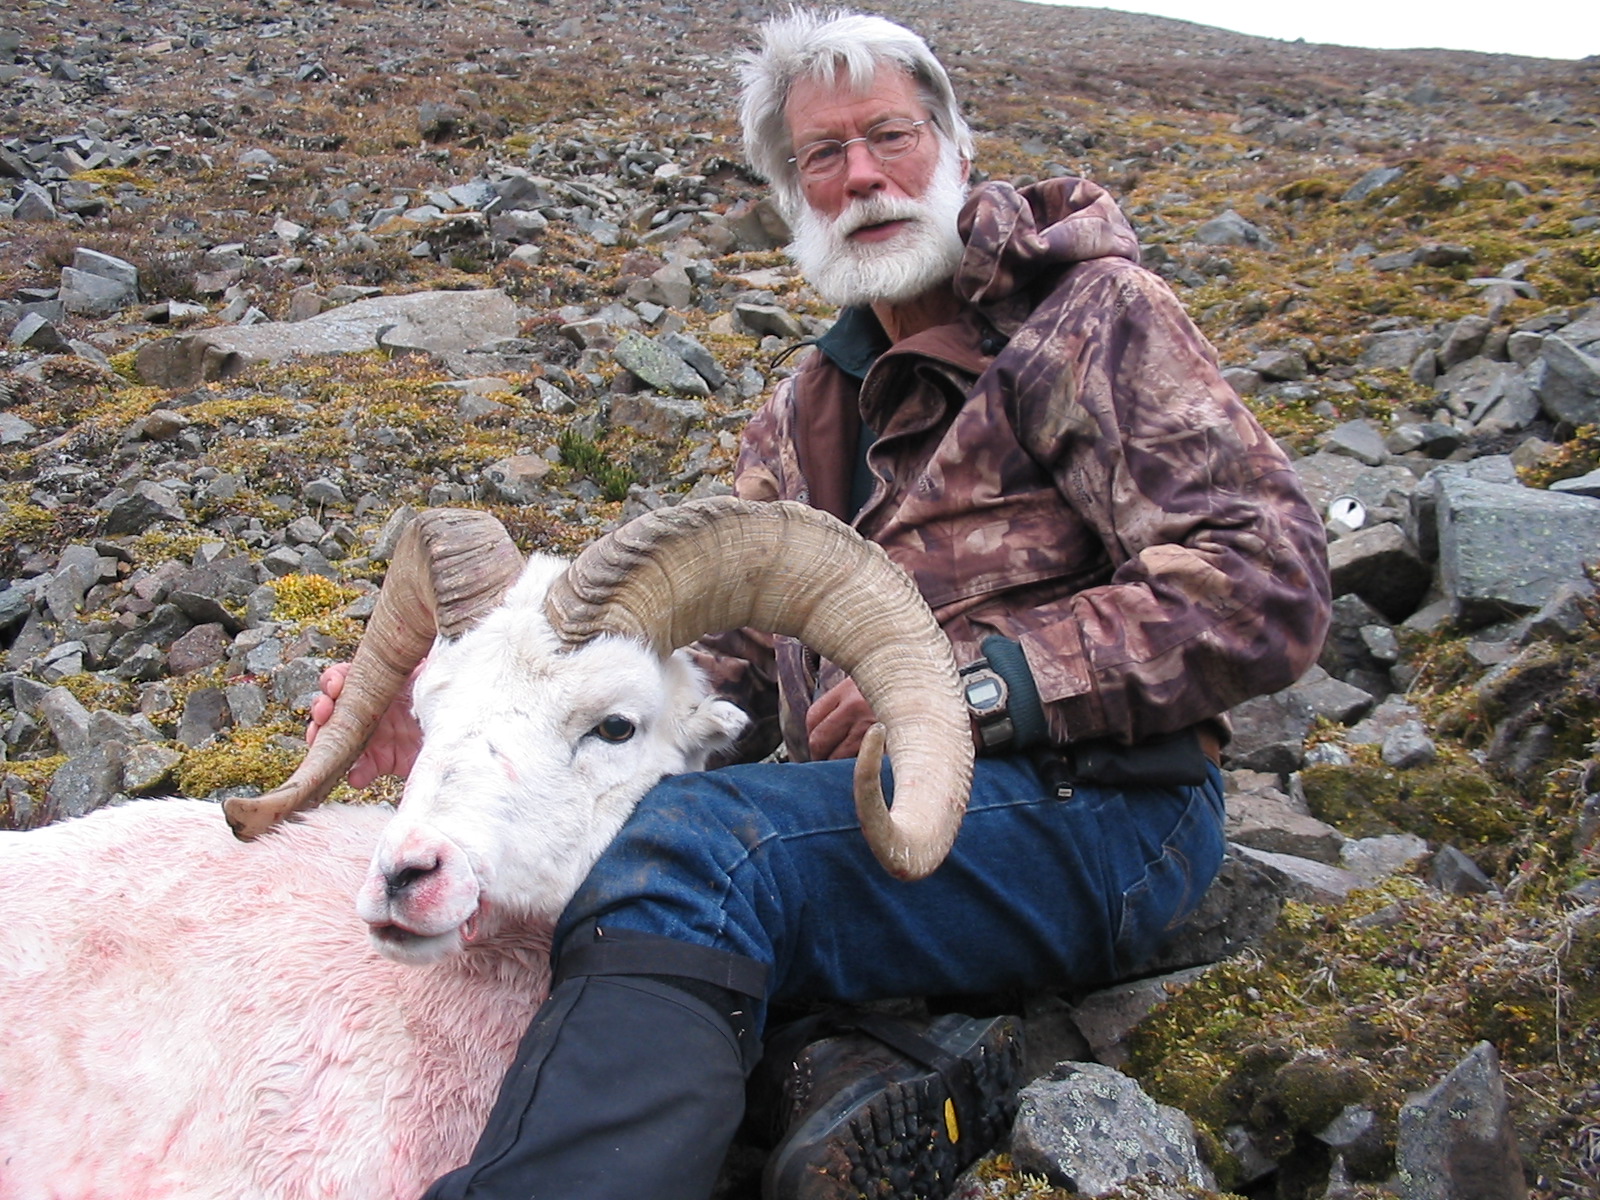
(1541, 28)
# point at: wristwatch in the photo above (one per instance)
(988, 702)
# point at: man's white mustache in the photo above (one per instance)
(877, 211)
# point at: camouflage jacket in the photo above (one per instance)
(1062, 465)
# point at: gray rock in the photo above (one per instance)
(1566, 379)
(1332, 699)
(15, 605)
(90, 295)
(1457, 1139)
(664, 419)
(1375, 859)
(1356, 1136)
(1239, 909)
(34, 204)
(757, 225)
(67, 719)
(1453, 872)
(658, 366)
(1262, 817)
(1465, 340)
(1382, 566)
(108, 266)
(697, 356)
(1230, 229)
(1269, 733)
(296, 682)
(1563, 617)
(1583, 485)
(147, 768)
(1303, 879)
(762, 319)
(1390, 715)
(1474, 384)
(14, 430)
(1106, 1017)
(1372, 181)
(247, 702)
(518, 479)
(1090, 1128)
(1422, 515)
(78, 569)
(86, 781)
(1408, 746)
(1431, 438)
(144, 505)
(1506, 550)
(35, 332)
(1325, 475)
(1360, 439)
(1280, 365)
(1395, 349)
(205, 714)
(552, 399)
(517, 224)
(428, 322)
(668, 286)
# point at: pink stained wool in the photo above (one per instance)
(183, 1015)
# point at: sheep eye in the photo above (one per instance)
(615, 729)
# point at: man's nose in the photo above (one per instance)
(863, 172)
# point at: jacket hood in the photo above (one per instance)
(1017, 237)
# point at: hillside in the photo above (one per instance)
(1385, 247)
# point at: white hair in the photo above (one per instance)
(817, 45)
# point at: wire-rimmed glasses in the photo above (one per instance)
(887, 140)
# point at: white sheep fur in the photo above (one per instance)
(183, 1015)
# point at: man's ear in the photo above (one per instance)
(966, 170)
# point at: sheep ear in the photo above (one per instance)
(717, 724)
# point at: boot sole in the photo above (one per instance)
(897, 1138)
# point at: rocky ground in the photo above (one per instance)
(1396, 254)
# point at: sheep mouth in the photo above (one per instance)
(404, 944)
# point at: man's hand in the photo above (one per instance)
(837, 721)
(395, 741)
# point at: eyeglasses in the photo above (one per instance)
(888, 140)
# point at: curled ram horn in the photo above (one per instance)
(680, 573)
(450, 568)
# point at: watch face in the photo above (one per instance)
(983, 694)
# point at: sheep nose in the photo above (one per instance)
(398, 880)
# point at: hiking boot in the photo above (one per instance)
(880, 1111)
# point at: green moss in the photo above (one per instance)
(114, 176)
(585, 457)
(254, 757)
(95, 691)
(1453, 802)
(1305, 189)
(1372, 1000)
(36, 772)
(308, 597)
(155, 546)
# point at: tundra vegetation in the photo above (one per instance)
(1491, 160)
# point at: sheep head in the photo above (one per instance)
(533, 754)
(549, 707)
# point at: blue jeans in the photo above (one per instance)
(767, 861)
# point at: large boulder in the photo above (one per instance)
(1505, 550)
(431, 322)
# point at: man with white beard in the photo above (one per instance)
(1026, 421)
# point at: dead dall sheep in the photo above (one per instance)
(323, 1007)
